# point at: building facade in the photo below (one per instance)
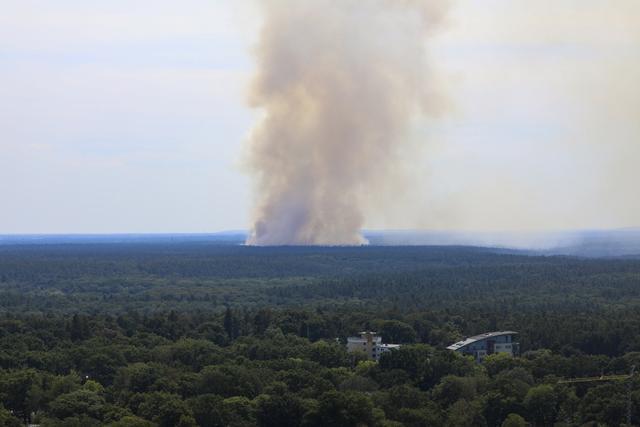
(370, 344)
(483, 345)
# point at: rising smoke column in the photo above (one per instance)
(338, 82)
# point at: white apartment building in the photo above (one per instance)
(370, 344)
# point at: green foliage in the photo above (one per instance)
(139, 377)
(165, 409)
(239, 411)
(186, 335)
(465, 413)
(605, 403)
(7, 419)
(541, 403)
(342, 410)
(80, 402)
(453, 388)
(331, 355)
(231, 380)
(285, 410)
(131, 421)
(514, 420)
(208, 410)
(395, 331)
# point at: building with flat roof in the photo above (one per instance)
(480, 346)
(370, 344)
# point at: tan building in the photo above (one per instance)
(370, 344)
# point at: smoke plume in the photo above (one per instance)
(338, 83)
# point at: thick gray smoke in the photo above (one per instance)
(339, 82)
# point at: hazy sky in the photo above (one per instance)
(130, 116)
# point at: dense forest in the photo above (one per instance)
(207, 334)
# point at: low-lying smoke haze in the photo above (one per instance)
(338, 83)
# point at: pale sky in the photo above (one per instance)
(130, 116)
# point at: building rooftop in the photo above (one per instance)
(366, 335)
(477, 338)
(363, 339)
